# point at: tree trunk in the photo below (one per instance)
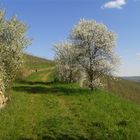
(3, 100)
(91, 86)
(70, 77)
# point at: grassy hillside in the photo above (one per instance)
(126, 89)
(40, 109)
(34, 62)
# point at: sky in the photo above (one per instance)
(50, 22)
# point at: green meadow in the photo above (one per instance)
(40, 108)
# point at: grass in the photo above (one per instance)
(42, 109)
(126, 89)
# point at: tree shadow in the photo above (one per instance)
(31, 87)
(35, 82)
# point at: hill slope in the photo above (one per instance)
(127, 89)
(42, 109)
(35, 62)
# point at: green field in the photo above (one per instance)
(40, 108)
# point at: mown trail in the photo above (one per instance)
(40, 103)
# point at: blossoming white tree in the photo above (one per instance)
(95, 45)
(13, 40)
(66, 63)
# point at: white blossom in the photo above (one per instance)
(13, 40)
(66, 63)
(95, 44)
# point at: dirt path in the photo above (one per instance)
(43, 69)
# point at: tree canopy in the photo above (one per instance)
(93, 46)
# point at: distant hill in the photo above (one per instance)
(132, 78)
(34, 62)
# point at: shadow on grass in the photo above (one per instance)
(34, 83)
(53, 88)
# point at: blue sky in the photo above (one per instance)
(50, 21)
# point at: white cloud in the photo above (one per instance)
(114, 4)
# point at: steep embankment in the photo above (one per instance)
(42, 109)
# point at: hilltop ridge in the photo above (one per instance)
(132, 78)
